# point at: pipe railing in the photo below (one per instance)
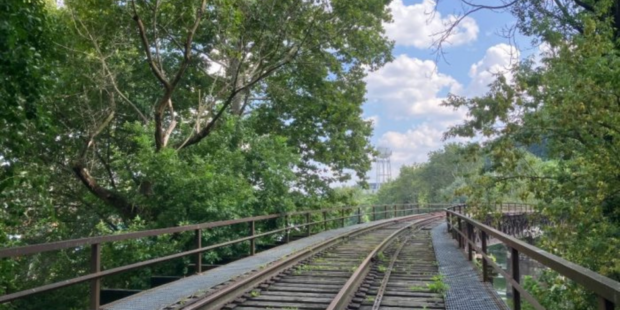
(97, 272)
(464, 229)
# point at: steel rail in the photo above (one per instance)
(386, 278)
(347, 292)
(607, 290)
(229, 293)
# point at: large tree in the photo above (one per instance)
(568, 102)
(126, 115)
(146, 94)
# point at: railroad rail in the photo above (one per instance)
(325, 276)
(467, 230)
(306, 221)
(411, 280)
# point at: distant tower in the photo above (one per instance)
(383, 165)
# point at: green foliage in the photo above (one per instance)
(26, 32)
(437, 180)
(438, 285)
(568, 104)
(84, 155)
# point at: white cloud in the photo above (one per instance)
(413, 145)
(409, 88)
(498, 59)
(419, 24)
(374, 119)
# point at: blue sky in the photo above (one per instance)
(404, 96)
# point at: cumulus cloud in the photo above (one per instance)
(409, 87)
(412, 145)
(412, 89)
(419, 24)
(498, 59)
(374, 119)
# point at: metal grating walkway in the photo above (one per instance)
(467, 291)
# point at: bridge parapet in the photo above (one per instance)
(468, 230)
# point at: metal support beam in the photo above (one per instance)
(485, 264)
(514, 273)
(253, 240)
(95, 284)
(198, 257)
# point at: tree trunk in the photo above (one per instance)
(112, 198)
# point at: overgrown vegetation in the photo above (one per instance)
(549, 136)
(128, 115)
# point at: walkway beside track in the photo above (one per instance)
(467, 291)
(166, 295)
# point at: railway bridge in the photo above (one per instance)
(388, 257)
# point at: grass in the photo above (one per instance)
(438, 286)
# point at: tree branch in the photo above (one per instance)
(147, 48)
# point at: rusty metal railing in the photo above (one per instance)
(465, 228)
(97, 273)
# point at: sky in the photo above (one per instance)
(403, 97)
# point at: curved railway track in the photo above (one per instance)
(343, 273)
(406, 278)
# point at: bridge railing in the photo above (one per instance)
(466, 228)
(96, 273)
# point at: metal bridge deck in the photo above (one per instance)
(466, 290)
(165, 295)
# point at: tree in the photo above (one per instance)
(569, 103)
(160, 113)
(302, 79)
(430, 182)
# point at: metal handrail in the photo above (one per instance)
(95, 243)
(606, 289)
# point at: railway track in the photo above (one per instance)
(406, 277)
(347, 273)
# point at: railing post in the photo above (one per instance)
(253, 240)
(514, 273)
(604, 304)
(485, 264)
(374, 213)
(342, 217)
(95, 284)
(324, 220)
(308, 224)
(470, 239)
(359, 215)
(286, 226)
(448, 221)
(459, 236)
(394, 211)
(198, 241)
